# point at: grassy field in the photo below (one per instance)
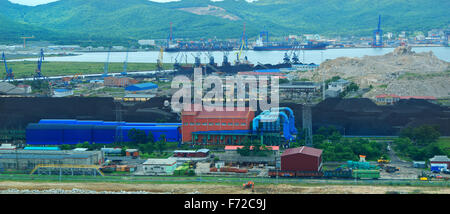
(213, 180)
(27, 68)
(444, 144)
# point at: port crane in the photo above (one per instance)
(197, 62)
(25, 40)
(225, 59)
(125, 64)
(105, 68)
(9, 72)
(243, 46)
(38, 74)
(159, 61)
(378, 35)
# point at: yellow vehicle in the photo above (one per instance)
(423, 178)
(382, 160)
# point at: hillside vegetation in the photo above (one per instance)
(139, 19)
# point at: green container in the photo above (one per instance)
(366, 174)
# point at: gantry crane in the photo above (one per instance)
(105, 68)
(25, 40)
(38, 74)
(243, 46)
(159, 61)
(125, 64)
(9, 72)
(378, 35)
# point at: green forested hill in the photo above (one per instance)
(138, 19)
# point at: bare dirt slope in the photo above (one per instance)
(402, 72)
(222, 189)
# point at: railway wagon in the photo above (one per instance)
(307, 174)
(366, 174)
(295, 174)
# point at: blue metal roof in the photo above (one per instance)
(44, 156)
(62, 90)
(224, 132)
(42, 148)
(141, 87)
(268, 70)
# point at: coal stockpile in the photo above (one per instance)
(350, 116)
(364, 117)
(17, 112)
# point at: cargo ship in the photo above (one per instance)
(200, 46)
(227, 67)
(274, 46)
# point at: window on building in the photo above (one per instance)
(198, 124)
(224, 124)
(230, 124)
(204, 124)
(236, 124)
(192, 124)
(211, 124)
(243, 124)
(217, 124)
(186, 124)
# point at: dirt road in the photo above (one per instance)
(221, 189)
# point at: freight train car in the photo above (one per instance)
(327, 174)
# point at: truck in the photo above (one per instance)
(437, 168)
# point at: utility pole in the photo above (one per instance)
(323, 77)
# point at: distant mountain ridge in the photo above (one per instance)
(141, 19)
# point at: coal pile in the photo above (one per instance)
(364, 117)
(17, 112)
(350, 116)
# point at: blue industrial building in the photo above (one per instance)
(141, 87)
(57, 132)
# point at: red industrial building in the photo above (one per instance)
(119, 82)
(201, 121)
(302, 159)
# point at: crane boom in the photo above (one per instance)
(160, 59)
(39, 66)
(25, 40)
(105, 68)
(125, 64)
(9, 73)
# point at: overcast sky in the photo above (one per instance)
(37, 2)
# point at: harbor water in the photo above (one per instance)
(255, 57)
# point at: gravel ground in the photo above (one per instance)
(9, 187)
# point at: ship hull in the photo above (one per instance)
(283, 48)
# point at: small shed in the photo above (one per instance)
(159, 166)
(132, 153)
(440, 159)
(419, 164)
(62, 92)
(302, 159)
(142, 88)
(7, 147)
